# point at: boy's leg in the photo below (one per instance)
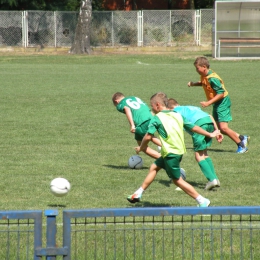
(223, 126)
(136, 197)
(204, 166)
(200, 144)
(188, 189)
(222, 115)
(211, 165)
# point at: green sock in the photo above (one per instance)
(206, 170)
(210, 163)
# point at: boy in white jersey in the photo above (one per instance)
(169, 126)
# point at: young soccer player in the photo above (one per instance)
(200, 142)
(218, 97)
(169, 126)
(138, 115)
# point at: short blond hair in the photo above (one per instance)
(202, 61)
(160, 98)
(117, 95)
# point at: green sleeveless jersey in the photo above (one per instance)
(140, 111)
(169, 126)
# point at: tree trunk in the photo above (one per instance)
(81, 43)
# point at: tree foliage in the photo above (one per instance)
(74, 5)
(47, 5)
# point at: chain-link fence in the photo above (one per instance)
(109, 28)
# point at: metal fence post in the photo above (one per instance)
(51, 251)
(25, 29)
(51, 230)
(55, 29)
(198, 26)
(140, 28)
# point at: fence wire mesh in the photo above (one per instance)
(166, 237)
(11, 28)
(109, 28)
(17, 239)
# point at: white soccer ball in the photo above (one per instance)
(60, 187)
(183, 174)
(135, 162)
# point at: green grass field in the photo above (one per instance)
(57, 120)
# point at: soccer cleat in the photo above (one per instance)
(241, 149)
(211, 184)
(134, 198)
(246, 140)
(218, 183)
(205, 204)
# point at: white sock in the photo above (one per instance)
(139, 191)
(200, 199)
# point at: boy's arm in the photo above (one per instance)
(201, 131)
(212, 101)
(194, 84)
(130, 119)
(147, 138)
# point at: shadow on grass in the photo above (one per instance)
(215, 150)
(122, 167)
(196, 185)
(168, 183)
(147, 204)
(57, 205)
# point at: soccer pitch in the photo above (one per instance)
(58, 120)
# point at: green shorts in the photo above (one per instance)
(141, 130)
(201, 142)
(222, 112)
(171, 164)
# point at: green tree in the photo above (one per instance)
(47, 5)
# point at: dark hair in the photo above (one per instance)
(172, 102)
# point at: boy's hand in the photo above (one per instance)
(215, 133)
(132, 130)
(137, 149)
(220, 138)
(190, 84)
(204, 104)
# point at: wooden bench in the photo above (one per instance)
(238, 43)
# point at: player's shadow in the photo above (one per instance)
(147, 204)
(57, 205)
(220, 151)
(199, 185)
(122, 167)
(166, 183)
(214, 150)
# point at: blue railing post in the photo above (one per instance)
(51, 230)
(51, 250)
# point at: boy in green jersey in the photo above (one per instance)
(169, 126)
(138, 115)
(200, 142)
(218, 97)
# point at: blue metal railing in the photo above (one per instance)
(133, 233)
